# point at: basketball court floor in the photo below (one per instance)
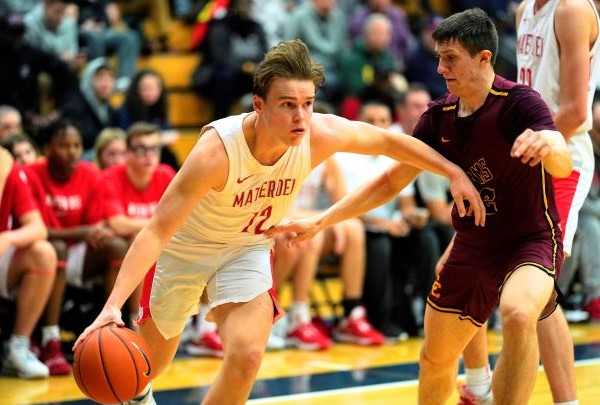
(345, 374)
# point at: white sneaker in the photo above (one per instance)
(275, 342)
(145, 399)
(20, 361)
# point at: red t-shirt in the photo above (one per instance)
(120, 197)
(17, 199)
(68, 202)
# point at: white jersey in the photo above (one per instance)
(254, 198)
(538, 61)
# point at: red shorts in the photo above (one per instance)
(472, 279)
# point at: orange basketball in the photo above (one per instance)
(112, 365)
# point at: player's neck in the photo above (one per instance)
(264, 146)
(480, 89)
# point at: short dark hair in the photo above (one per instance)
(16, 139)
(473, 28)
(140, 128)
(54, 129)
(288, 60)
(415, 87)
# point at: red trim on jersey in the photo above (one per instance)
(145, 298)
(564, 192)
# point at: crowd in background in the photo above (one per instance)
(94, 168)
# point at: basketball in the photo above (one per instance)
(112, 365)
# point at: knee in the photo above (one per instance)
(115, 247)
(355, 231)
(518, 319)
(245, 361)
(42, 257)
(436, 360)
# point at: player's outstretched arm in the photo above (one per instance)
(336, 134)
(205, 169)
(546, 146)
(575, 28)
(370, 195)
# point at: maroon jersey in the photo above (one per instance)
(519, 199)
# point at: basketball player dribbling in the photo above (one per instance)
(502, 134)
(209, 228)
(557, 55)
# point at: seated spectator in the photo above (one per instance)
(52, 27)
(273, 16)
(147, 100)
(21, 65)
(22, 148)
(233, 47)
(103, 30)
(371, 52)
(27, 268)
(10, 122)
(90, 108)
(345, 240)
(587, 239)
(110, 148)
(20, 7)
(322, 27)
(422, 63)
(401, 42)
(157, 12)
(130, 192)
(86, 250)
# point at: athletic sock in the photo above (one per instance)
(479, 381)
(576, 402)
(299, 314)
(202, 325)
(50, 332)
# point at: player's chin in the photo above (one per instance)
(295, 137)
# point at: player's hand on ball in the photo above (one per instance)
(109, 314)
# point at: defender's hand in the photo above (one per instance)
(531, 147)
(462, 189)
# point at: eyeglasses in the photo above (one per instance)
(143, 150)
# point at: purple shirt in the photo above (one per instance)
(519, 199)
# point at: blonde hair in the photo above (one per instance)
(289, 60)
(106, 136)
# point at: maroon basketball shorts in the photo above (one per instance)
(472, 279)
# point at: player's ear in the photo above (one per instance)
(258, 103)
(486, 56)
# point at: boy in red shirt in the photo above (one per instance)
(27, 267)
(85, 248)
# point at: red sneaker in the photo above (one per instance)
(207, 344)
(468, 398)
(53, 357)
(593, 308)
(357, 329)
(307, 337)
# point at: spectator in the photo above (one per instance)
(584, 256)
(157, 12)
(402, 41)
(147, 100)
(273, 16)
(130, 192)
(86, 250)
(19, 71)
(369, 54)
(22, 148)
(103, 30)
(322, 26)
(110, 148)
(90, 109)
(20, 7)
(27, 270)
(234, 47)
(10, 122)
(421, 65)
(345, 241)
(51, 27)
